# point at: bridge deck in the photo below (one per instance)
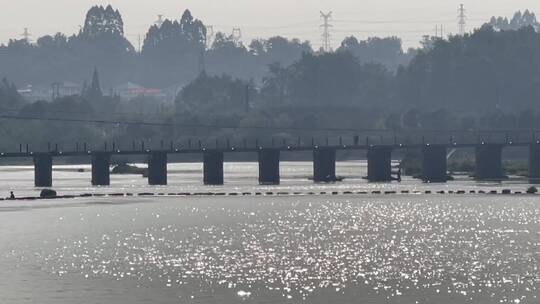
(232, 149)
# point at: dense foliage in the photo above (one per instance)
(489, 79)
(173, 53)
(520, 20)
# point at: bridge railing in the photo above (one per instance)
(280, 141)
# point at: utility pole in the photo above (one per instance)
(439, 32)
(462, 20)
(442, 32)
(326, 37)
(26, 35)
(55, 90)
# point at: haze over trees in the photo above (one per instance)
(272, 87)
(386, 51)
(520, 20)
(172, 54)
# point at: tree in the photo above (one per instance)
(102, 21)
(279, 50)
(393, 122)
(386, 51)
(520, 20)
(483, 71)
(330, 79)
(527, 119)
(172, 38)
(93, 92)
(411, 119)
(231, 57)
(208, 95)
(173, 50)
(9, 97)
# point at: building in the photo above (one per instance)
(33, 93)
(131, 90)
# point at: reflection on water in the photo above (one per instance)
(370, 249)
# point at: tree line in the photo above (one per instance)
(488, 79)
(173, 53)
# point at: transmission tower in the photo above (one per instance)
(159, 21)
(462, 20)
(326, 37)
(439, 31)
(236, 35)
(26, 35)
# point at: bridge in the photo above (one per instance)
(488, 157)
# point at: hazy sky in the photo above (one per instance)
(292, 18)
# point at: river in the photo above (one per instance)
(359, 248)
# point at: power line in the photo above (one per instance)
(326, 38)
(399, 22)
(157, 124)
(209, 126)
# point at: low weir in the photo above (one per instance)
(488, 158)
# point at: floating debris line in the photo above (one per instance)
(280, 193)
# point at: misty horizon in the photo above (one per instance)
(242, 152)
(301, 19)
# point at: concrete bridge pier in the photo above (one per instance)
(379, 164)
(269, 167)
(213, 168)
(101, 168)
(324, 165)
(434, 164)
(534, 163)
(43, 170)
(157, 169)
(489, 162)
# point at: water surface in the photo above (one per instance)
(291, 249)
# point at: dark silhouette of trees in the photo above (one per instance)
(327, 80)
(277, 50)
(93, 92)
(172, 51)
(102, 21)
(208, 95)
(487, 79)
(100, 42)
(485, 71)
(386, 51)
(229, 56)
(520, 20)
(173, 54)
(9, 97)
